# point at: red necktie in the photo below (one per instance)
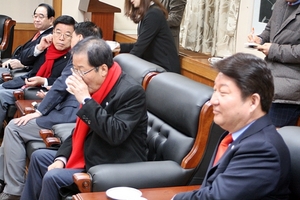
(36, 36)
(223, 147)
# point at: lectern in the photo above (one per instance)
(102, 14)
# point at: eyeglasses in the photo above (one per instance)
(81, 73)
(38, 16)
(58, 33)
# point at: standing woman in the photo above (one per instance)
(155, 42)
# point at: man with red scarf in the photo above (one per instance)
(48, 59)
(110, 128)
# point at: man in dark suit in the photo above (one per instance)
(15, 135)
(48, 58)
(256, 164)
(43, 17)
(175, 13)
(110, 128)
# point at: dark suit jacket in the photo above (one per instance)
(175, 9)
(28, 59)
(29, 43)
(58, 106)
(117, 127)
(255, 166)
(155, 42)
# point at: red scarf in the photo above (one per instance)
(51, 54)
(76, 160)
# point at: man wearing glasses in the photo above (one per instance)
(43, 17)
(58, 106)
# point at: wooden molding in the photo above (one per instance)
(57, 6)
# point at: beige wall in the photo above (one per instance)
(20, 10)
(244, 27)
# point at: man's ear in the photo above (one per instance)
(255, 101)
(103, 70)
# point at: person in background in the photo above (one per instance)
(280, 42)
(155, 42)
(106, 131)
(251, 161)
(57, 106)
(43, 17)
(48, 58)
(175, 9)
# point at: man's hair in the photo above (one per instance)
(251, 75)
(137, 14)
(50, 10)
(88, 28)
(97, 50)
(64, 19)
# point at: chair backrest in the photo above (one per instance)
(180, 117)
(141, 70)
(291, 136)
(6, 35)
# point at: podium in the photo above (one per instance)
(102, 15)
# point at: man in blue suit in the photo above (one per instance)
(58, 106)
(256, 164)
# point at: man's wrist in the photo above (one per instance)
(86, 99)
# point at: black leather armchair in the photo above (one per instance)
(141, 70)
(291, 136)
(179, 129)
(6, 36)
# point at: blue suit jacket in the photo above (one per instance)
(58, 106)
(255, 166)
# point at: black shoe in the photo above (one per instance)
(1, 186)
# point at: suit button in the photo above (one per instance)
(89, 121)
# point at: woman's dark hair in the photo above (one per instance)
(251, 75)
(50, 10)
(137, 14)
(97, 50)
(64, 19)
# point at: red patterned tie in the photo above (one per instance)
(36, 36)
(223, 147)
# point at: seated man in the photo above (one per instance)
(48, 59)
(111, 125)
(256, 164)
(58, 106)
(43, 17)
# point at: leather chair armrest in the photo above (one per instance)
(19, 95)
(83, 182)
(138, 175)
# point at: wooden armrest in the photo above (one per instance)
(19, 94)
(49, 139)
(83, 182)
(28, 110)
(6, 77)
(44, 133)
(52, 142)
(5, 74)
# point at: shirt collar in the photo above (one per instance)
(294, 3)
(236, 134)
